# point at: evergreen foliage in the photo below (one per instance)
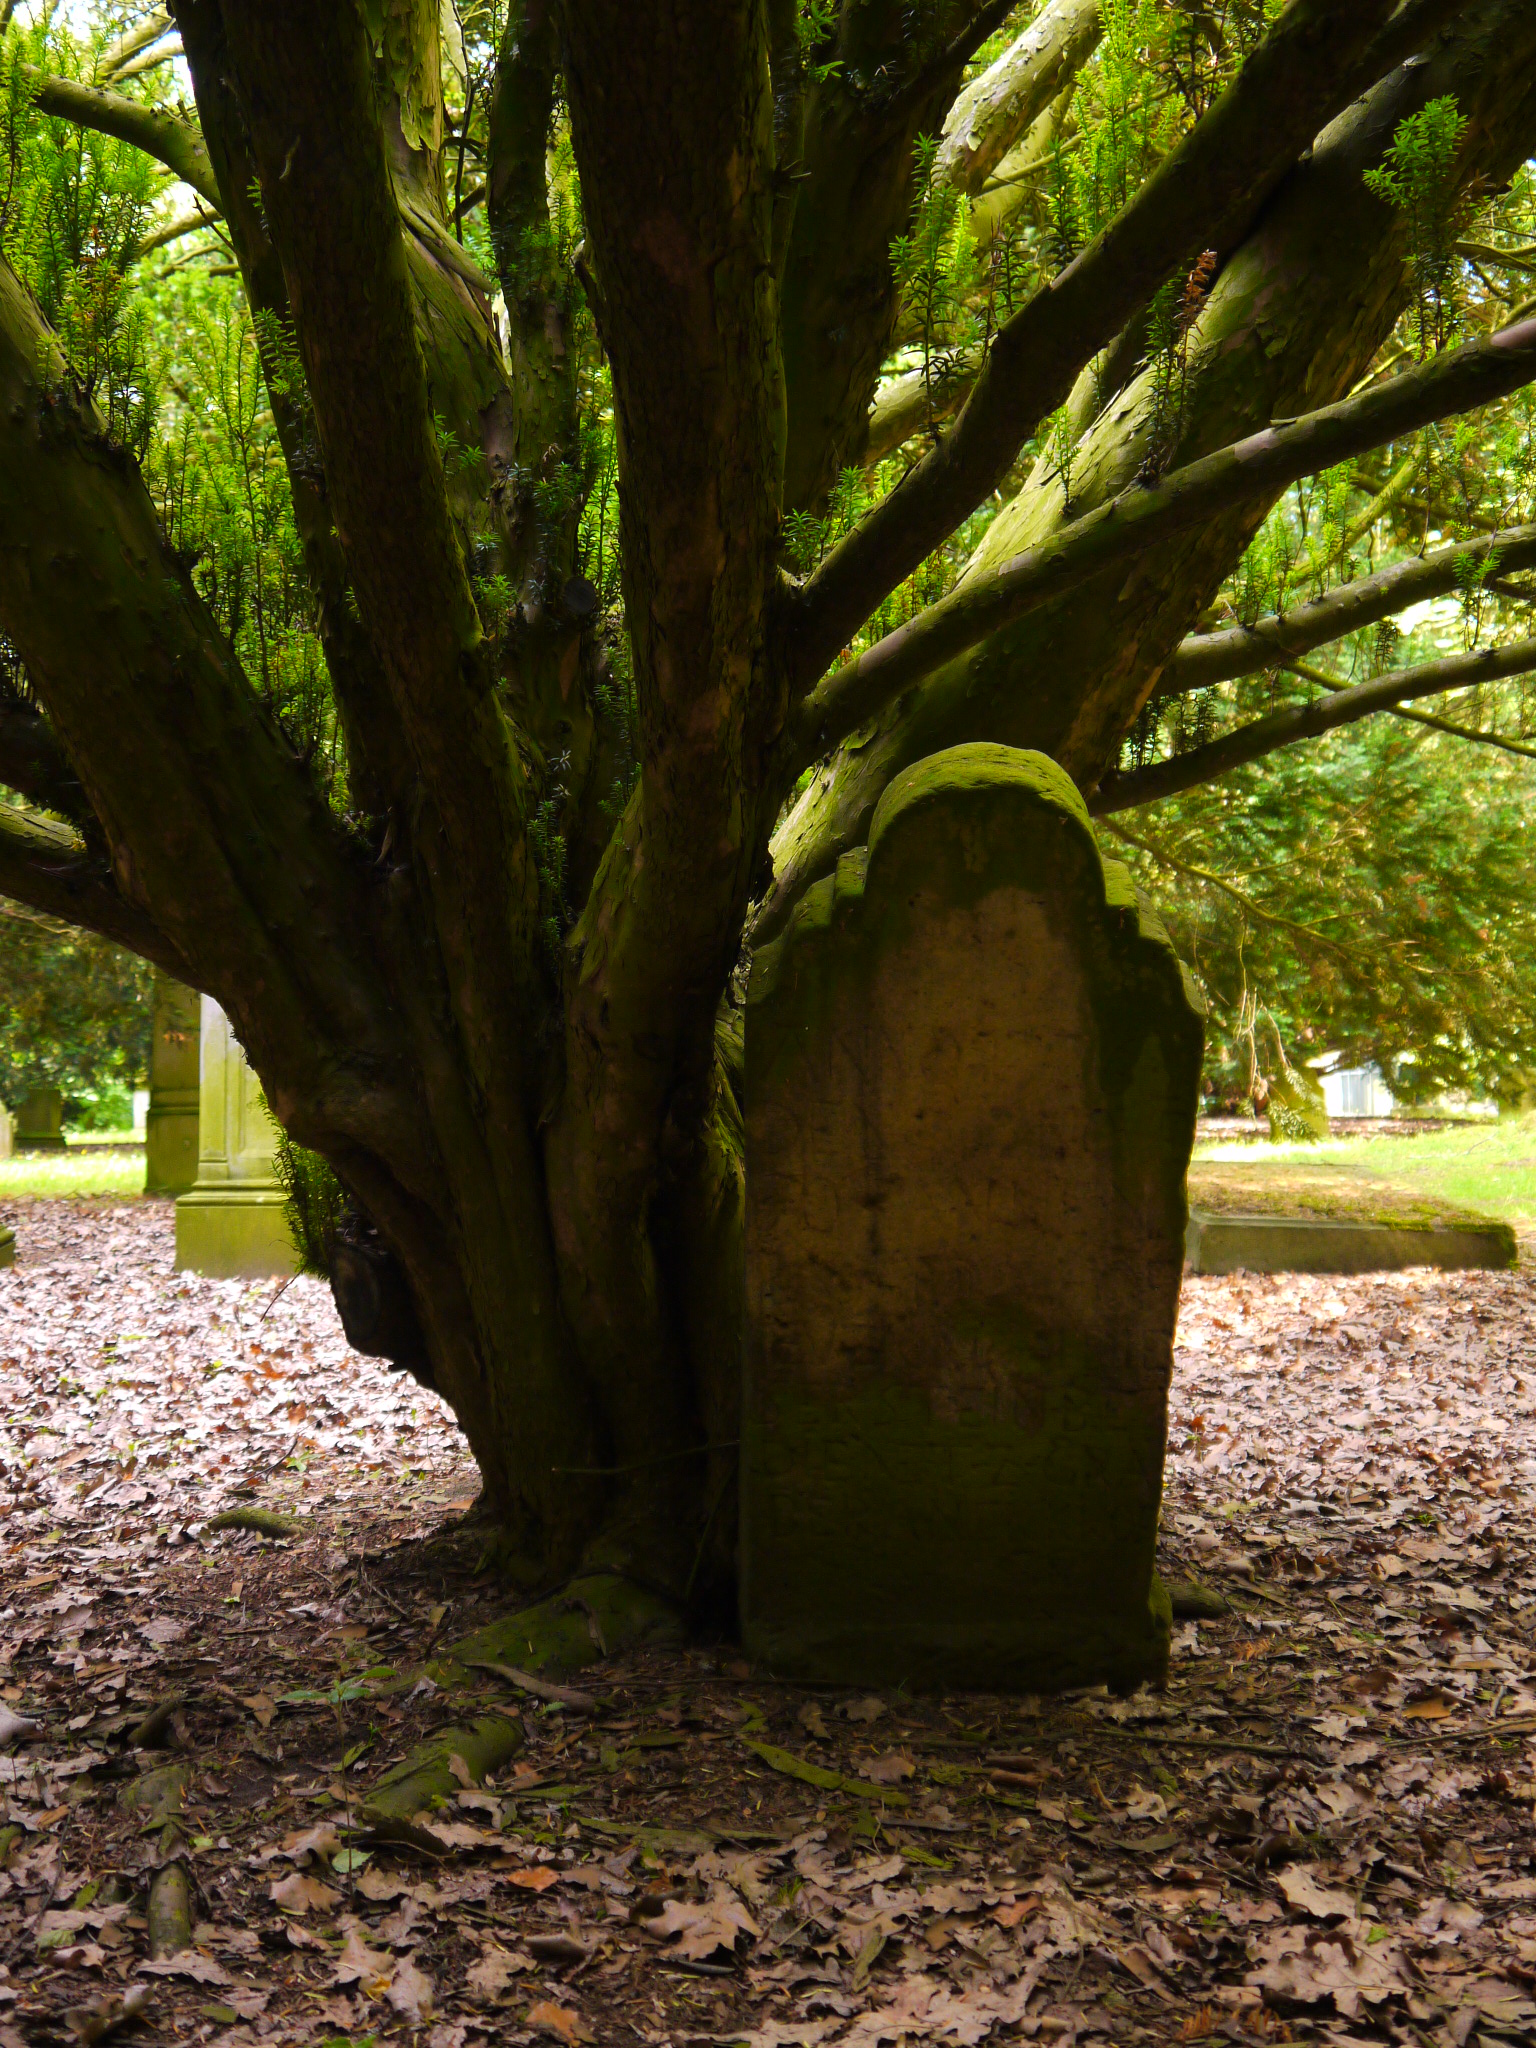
(159, 334)
(75, 1014)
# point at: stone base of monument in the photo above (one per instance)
(7, 1246)
(1321, 1244)
(972, 1064)
(233, 1232)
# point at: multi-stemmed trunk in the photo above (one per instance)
(529, 1081)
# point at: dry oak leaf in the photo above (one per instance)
(1331, 1968)
(496, 1968)
(188, 1963)
(538, 1879)
(298, 1893)
(1300, 1885)
(381, 1885)
(320, 1842)
(560, 2020)
(363, 1966)
(460, 1834)
(700, 1931)
(262, 1705)
(411, 1993)
(926, 2010)
(889, 1769)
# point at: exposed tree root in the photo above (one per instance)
(170, 1902)
(597, 1615)
(154, 1730)
(1193, 1602)
(265, 1521)
(479, 1746)
(159, 1796)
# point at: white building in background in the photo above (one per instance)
(1357, 1091)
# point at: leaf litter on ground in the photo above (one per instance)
(1320, 1830)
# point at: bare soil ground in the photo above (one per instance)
(1321, 1830)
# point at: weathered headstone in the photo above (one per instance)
(231, 1224)
(171, 1126)
(40, 1121)
(972, 1068)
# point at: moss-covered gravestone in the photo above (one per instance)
(40, 1121)
(231, 1223)
(171, 1127)
(972, 1067)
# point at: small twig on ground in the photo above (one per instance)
(540, 1688)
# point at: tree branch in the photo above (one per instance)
(1465, 732)
(1483, 370)
(1307, 721)
(127, 47)
(217, 837)
(995, 109)
(173, 230)
(1316, 58)
(1198, 874)
(303, 79)
(378, 770)
(34, 764)
(166, 137)
(46, 866)
(1207, 658)
(915, 400)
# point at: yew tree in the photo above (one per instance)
(691, 412)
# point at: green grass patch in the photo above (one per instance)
(1488, 1167)
(119, 1172)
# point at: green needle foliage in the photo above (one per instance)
(1310, 929)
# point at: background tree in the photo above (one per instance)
(680, 435)
(74, 1015)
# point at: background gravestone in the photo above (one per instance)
(972, 1067)
(171, 1126)
(40, 1121)
(231, 1224)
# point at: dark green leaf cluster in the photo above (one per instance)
(74, 1010)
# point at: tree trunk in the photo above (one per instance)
(537, 1112)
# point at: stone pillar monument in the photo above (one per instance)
(972, 1065)
(171, 1129)
(231, 1223)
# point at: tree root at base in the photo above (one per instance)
(170, 1904)
(598, 1615)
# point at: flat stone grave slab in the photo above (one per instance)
(1299, 1216)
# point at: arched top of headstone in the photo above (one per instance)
(998, 815)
